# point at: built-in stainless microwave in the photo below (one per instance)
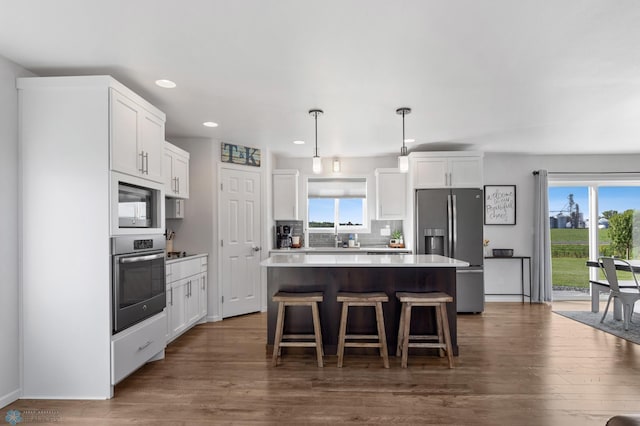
(137, 205)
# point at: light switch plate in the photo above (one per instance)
(385, 232)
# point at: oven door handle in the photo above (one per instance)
(141, 258)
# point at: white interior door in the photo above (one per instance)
(240, 231)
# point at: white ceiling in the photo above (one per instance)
(554, 76)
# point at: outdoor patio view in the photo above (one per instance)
(618, 233)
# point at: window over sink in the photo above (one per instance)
(337, 205)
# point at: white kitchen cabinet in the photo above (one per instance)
(176, 171)
(187, 294)
(285, 194)
(134, 346)
(174, 208)
(446, 169)
(391, 194)
(137, 138)
(203, 287)
(66, 133)
(192, 297)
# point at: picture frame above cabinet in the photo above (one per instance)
(285, 194)
(176, 171)
(391, 194)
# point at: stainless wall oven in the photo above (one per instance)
(138, 278)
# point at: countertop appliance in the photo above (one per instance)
(138, 278)
(283, 236)
(449, 222)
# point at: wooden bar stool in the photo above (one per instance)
(299, 340)
(363, 299)
(437, 300)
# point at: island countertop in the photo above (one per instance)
(362, 260)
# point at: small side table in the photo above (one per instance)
(522, 259)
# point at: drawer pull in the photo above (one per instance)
(143, 347)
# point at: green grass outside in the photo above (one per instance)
(570, 248)
(570, 272)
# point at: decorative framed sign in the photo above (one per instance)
(499, 204)
(238, 154)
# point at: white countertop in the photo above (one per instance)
(352, 250)
(187, 257)
(362, 260)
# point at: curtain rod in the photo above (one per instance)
(537, 172)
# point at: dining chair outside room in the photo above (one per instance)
(627, 296)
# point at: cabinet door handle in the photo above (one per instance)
(143, 347)
(141, 169)
(202, 282)
(146, 160)
(171, 291)
(178, 180)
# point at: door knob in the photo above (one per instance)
(256, 249)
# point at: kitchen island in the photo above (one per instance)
(359, 273)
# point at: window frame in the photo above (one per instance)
(364, 228)
(337, 228)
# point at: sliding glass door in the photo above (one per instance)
(590, 219)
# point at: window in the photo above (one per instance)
(590, 217)
(337, 205)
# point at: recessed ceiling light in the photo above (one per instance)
(210, 124)
(298, 142)
(167, 84)
(409, 140)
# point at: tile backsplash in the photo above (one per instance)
(370, 239)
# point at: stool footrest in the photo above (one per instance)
(424, 337)
(362, 336)
(298, 344)
(428, 345)
(361, 345)
(299, 336)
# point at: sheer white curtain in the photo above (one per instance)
(541, 286)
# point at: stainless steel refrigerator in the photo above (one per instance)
(449, 222)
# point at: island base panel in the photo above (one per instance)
(332, 280)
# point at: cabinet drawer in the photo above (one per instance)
(184, 269)
(135, 346)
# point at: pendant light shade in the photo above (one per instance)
(403, 159)
(317, 164)
(317, 161)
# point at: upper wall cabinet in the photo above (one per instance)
(137, 138)
(176, 171)
(285, 194)
(446, 169)
(391, 194)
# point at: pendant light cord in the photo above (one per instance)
(315, 114)
(403, 147)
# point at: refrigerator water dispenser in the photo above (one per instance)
(434, 241)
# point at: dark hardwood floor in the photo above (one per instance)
(518, 365)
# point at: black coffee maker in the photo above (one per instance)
(283, 236)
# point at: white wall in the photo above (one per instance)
(10, 386)
(198, 231)
(516, 169)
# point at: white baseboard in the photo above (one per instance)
(10, 397)
(214, 318)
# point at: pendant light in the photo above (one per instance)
(317, 161)
(403, 159)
